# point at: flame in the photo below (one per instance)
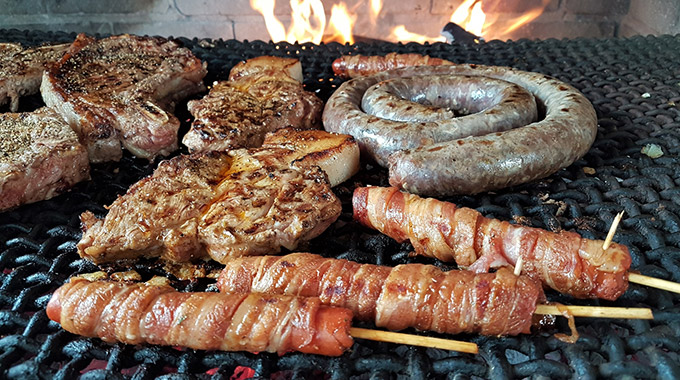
(376, 7)
(341, 24)
(276, 30)
(308, 20)
(401, 34)
(470, 16)
(519, 21)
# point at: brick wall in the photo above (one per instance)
(652, 17)
(235, 18)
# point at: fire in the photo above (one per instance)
(401, 34)
(308, 20)
(376, 7)
(341, 24)
(470, 16)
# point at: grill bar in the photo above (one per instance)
(634, 85)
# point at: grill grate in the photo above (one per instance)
(635, 87)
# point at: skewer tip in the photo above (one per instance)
(612, 230)
(654, 282)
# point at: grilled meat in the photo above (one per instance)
(40, 157)
(263, 95)
(267, 68)
(21, 70)
(142, 313)
(336, 154)
(565, 261)
(120, 90)
(409, 295)
(221, 204)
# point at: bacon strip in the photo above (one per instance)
(411, 295)
(564, 261)
(140, 313)
(353, 66)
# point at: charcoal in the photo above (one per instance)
(634, 86)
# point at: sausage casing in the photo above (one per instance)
(424, 163)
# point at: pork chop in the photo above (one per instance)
(263, 94)
(224, 204)
(40, 157)
(21, 70)
(121, 90)
(203, 204)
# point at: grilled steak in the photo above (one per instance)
(21, 70)
(263, 95)
(40, 157)
(222, 204)
(120, 90)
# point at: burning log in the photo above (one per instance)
(454, 33)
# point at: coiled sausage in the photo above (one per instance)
(424, 161)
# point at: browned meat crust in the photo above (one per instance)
(222, 204)
(21, 70)
(141, 313)
(410, 295)
(565, 261)
(120, 91)
(40, 157)
(261, 96)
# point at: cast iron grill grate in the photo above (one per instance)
(635, 87)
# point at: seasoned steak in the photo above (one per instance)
(21, 70)
(221, 204)
(120, 90)
(40, 157)
(263, 95)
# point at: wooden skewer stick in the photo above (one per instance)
(654, 282)
(414, 340)
(518, 265)
(612, 230)
(635, 277)
(598, 311)
(469, 347)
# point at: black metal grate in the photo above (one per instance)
(635, 87)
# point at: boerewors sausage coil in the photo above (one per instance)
(433, 158)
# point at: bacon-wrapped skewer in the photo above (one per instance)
(352, 66)
(564, 261)
(136, 313)
(410, 295)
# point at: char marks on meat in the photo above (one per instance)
(263, 95)
(564, 260)
(21, 70)
(221, 204)
(40, 157)
(120, 91)
(409, 295)
(141, 313)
